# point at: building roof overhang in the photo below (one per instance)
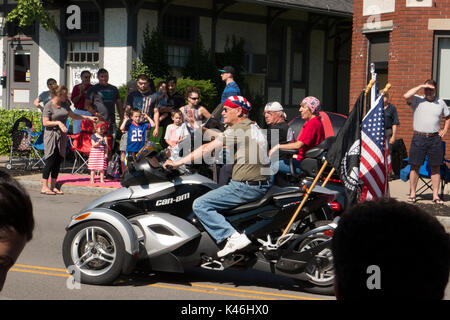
(330, 7)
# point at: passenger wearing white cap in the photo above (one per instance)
(277, 126)
(310, 136)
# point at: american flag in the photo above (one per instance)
(375, 162)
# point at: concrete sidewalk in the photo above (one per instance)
(400, 191)
(33, 179)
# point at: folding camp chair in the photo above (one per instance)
(38, 149)
(80, 144)
(425, 175)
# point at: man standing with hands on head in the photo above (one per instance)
(427, 139)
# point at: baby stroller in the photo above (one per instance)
(21, 143)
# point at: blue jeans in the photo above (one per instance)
(226, 197)
(283, 166)
(77, 123)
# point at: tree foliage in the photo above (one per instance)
(28, 11)
(199, 64)
(154, 53)
(138, 68)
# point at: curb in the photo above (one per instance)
(69, 188)
(445, 221)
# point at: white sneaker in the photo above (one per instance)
(235, 242)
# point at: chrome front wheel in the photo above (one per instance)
(95, 250)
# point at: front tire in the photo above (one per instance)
(95, 251)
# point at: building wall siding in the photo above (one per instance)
(49, 56)
(316, 63)
(410, 55)
(254, 35)
(205, 31)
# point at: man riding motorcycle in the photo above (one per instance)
(249, 178)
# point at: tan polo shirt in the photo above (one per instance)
(247, 145)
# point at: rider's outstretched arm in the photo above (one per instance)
(196, 154)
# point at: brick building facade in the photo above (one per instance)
(409, 42)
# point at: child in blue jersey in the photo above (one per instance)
(136, 128)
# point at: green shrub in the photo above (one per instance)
(138, 68)
(7, 119)
(208, 91)
(123, 93)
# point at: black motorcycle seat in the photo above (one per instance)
(320, 148)
(273, 192)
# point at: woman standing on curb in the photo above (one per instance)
(54, 120)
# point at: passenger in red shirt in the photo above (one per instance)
(310, 136)
(78, 97)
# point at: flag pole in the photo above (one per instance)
(305, 198)
(386, 187)
(328, 177)
(366, 91)
(386, 88)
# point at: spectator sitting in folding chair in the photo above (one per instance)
(54, 118)
(427, 139)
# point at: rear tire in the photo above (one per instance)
(321, 277)
(95, 251)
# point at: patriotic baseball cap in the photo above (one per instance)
(227, 69)
(313, 104)
(238, 102)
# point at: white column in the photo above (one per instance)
(115, 52)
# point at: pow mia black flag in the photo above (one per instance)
(345, 153)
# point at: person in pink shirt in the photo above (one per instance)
(310, 136)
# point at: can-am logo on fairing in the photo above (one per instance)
(167, 201)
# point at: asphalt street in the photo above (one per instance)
(39, 272)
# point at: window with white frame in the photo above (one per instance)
(81, 55)
(179, 33)
(442, 66)
(82, 51)
(177, 56)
